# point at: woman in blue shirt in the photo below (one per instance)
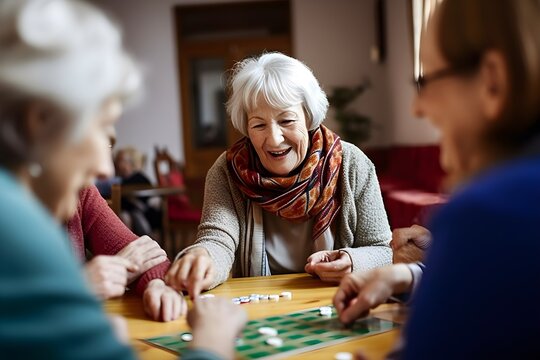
(480, 86)
(64, 76)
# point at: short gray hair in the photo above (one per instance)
(282, 81)
(65, 52)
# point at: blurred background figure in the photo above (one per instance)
(129, 162)
(140, 214)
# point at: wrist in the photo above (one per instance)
(194, 251)
(155, 283)
(198, 251)
(402, 278)
(348, 256)
(214, 340)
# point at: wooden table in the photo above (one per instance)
(134, 191)
(308, 292)
(151, 191)
(139, 190)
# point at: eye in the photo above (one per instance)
(286, 122)
(257, 126)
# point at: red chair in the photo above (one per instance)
(410, 177)
(180, 218)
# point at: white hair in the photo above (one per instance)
(67, 52)
(282, 81)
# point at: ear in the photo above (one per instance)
(34, 121)
(42, 123)
(494, 83)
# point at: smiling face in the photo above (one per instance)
(69, 166)
(454, 105)
(280, 137)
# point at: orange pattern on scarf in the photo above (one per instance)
(309, 192)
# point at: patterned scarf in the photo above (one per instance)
(308, 193)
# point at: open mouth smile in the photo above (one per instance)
(279, 154)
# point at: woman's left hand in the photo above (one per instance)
(409, 244)
(162, 302)
(330, 266)
(143, 252)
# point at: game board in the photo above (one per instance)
(301, 331)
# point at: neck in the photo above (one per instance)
(23, 177)
(477, 164)
(474, 163)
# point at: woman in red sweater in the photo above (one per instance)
(121, 258)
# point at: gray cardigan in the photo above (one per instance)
(360, 228)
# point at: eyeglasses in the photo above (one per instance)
(423, 80)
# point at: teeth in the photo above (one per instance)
(278, 152)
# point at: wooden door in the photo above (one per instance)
(204, 64)
(206, 138)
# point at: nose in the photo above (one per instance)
(104, 164)
(274, 136)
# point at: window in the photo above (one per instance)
(421, 12)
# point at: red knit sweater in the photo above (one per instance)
(97, 228)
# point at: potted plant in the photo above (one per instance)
(354, 127)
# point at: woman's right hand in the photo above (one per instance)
(359, 292)
(215, 323)
(193, 272)
(120, 327)
(108, 275)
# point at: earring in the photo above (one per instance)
(35, 169)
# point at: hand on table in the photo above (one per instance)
(362, 291)
(162, 302)
(143, 252)
(108, 275)
(409, 244)
(215, 323)
(330, 266)
(120, 327)
(193, 272)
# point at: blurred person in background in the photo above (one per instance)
(138, 213)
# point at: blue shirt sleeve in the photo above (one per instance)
(200, 354)
(482, 268)
(46, 310)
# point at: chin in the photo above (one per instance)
(445, 157)
(66, 209)
(281, 172)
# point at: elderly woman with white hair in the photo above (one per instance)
(288, 197)
(64, 77)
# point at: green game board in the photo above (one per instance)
(300, 331)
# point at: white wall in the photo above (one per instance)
(333, 37)
(148, 27)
